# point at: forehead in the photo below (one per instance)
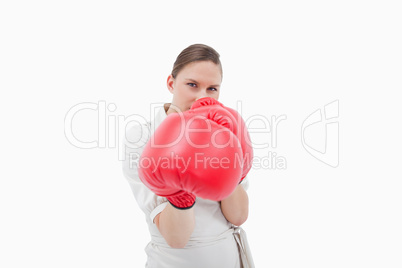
(201, 70)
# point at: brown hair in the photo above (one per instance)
(196, 52)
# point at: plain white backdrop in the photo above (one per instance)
(65, 206)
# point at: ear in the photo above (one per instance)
(170, 83)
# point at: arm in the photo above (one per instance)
(235, 207)
(175, 225)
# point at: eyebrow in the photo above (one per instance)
(197, 82)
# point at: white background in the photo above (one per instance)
(63, 206)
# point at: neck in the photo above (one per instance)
(167, 108)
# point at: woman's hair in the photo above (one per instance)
(196, 52)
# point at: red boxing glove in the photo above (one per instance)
(194, 153)
(242, 134)
(244, 137)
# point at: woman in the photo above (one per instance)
(206, 233)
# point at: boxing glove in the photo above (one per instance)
(194, 153)
(242, 135)
(245, 142)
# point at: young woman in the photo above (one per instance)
(206, 233)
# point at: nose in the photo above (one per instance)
(201, 96)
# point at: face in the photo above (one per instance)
(196, 80)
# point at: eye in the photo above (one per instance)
(213, 89)
(191, 84)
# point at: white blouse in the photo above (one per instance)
(215, 242)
